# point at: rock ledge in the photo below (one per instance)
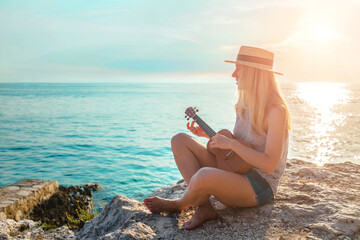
(18, 199)
(312, 203)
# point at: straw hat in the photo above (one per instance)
(255, 57)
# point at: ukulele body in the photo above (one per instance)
(227, 159)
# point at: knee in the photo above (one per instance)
(179, 139)
(202, 179)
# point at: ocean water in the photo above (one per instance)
(118, 134)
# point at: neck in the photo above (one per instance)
(207, 129)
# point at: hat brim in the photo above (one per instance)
(244, 63)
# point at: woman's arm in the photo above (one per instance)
(269, 159)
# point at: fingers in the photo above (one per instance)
(192, 124)
(191, 127)
(213, 142)
(212, 145)
(213, 137)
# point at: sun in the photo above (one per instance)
(314, 29)
(321, 32)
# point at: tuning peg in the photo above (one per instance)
(185, 116)
(197, 110)
(188, 119)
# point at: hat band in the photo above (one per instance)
(247, 58)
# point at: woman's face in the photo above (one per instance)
(236, 73)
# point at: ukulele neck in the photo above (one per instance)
(207, 129)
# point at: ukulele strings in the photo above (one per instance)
(208, 130)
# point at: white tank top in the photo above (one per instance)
(243, 131)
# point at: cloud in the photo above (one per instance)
(229, 47)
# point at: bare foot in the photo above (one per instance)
(157, 204)
(203, 213)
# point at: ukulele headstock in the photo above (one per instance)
(191, 112)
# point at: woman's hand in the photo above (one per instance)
(221, 141)
(196, 130)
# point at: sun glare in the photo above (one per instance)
(321, 32)
(315, 28)
(323, 98)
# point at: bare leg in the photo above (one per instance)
(229, 188)
(204, 212)
(190, 156)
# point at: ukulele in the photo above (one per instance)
(226, 159)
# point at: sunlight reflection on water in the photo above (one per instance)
(323, 98)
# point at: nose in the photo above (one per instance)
(234, 74)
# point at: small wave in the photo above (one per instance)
(134, 166)
(150, 153)
(16, 148)
(119, 136)
(74, 136)
(55, 155)
(77, 146)
(84, 145)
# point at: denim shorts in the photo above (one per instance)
(261, 187)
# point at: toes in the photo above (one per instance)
(148, 201)
(191, 224)
(186, 224)
(148, 205)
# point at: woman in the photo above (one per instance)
(262, 120)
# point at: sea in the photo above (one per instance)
(118, 134)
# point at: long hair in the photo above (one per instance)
(258, 91)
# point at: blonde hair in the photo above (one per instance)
(258, 91)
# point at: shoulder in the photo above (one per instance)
(277, 111)
(275, 115)
(277, 119)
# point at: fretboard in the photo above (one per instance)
(208, 130)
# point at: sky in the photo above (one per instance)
(122, 41)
